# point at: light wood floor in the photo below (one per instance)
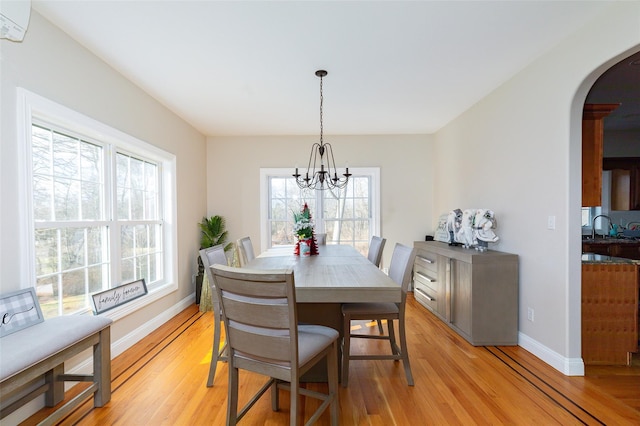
(161, 381)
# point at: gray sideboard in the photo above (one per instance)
(474, 292)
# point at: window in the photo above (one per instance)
(588, 213)
(347, 216)
(98, 206)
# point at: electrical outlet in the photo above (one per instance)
(530, 314)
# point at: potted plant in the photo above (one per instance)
(213, 233)
(303, 227)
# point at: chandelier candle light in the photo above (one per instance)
(326, 177)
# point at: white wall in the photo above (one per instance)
(406, 178)
(518, 152)
(52, 65)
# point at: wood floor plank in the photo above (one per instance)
(162, 381)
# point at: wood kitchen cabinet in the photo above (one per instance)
(609, 313)
(592, 147)
(629, 249)
(475, 293)
(625, 182)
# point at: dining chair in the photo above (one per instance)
(376, 246)
(400, 271)
(245, 251)
(261, 318)
(211, 256)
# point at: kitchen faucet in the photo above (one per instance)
(593, 226)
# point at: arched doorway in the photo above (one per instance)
(620, 200)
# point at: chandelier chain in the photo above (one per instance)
(321, 102)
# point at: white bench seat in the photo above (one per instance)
(39, 352)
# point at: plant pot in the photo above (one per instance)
(305, 246)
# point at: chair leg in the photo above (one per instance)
(215, 352)
(332, 372)
(380, 329)
(275, 396)
(293, 413)
(405, 353)
(346, 348)
(232, 399)
(392, 336)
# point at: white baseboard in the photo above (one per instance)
(567, 366)
(145, 329)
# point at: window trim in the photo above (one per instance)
(29, 105)
(265, 173)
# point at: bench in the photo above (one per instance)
(39, 351)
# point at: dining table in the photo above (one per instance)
(337, 274)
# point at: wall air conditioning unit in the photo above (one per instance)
(14, 19)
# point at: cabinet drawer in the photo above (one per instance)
(426, 261)
(425, 295)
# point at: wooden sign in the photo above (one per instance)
(19, 309)
(112, 298)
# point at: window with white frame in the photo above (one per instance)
(348, 216)
(98, 205)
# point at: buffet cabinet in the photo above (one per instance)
(474, 292)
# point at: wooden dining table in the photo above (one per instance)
(338, 274)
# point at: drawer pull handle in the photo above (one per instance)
(423, 294)
(424, 277)
(424, 259)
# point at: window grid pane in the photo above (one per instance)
(69, 181)
(345, 215)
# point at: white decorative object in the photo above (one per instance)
(469, 228)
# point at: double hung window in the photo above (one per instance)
(348, 216)
(98, 205)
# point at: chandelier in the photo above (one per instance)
(321, 170)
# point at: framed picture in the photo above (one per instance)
(19, 309)
(114, 297)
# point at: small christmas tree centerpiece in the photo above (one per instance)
(303, 228)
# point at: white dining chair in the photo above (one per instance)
(400, 271)
(211, 256)
(245, 251)
(261, 318)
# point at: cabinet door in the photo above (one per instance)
(626, 250)
(461, 301)
(592, 135)
(625, 182)
(596, 248)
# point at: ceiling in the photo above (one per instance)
(620, 84)
(248, 68)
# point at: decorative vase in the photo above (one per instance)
(305, 246)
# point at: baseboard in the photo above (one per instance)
(567, 366)
(145, 329)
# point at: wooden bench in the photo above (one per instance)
(32, 363)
